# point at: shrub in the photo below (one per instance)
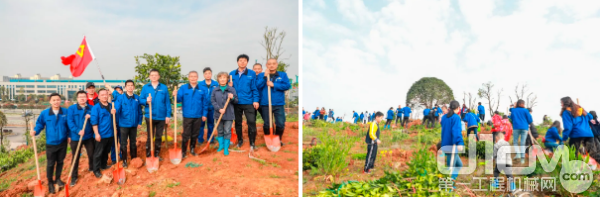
(13, 158)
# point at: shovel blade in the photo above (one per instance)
(152, 164)
(175, 156)
(119, 175)
(233, 139)
(273, 143)
(38, 191)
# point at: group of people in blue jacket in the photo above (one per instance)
(203, 102)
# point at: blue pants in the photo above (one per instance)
(551, 145)
(210, 123)
(474, 129)
(113, 157)
(516, 142)
(456, 166)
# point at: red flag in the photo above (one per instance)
(79, 61)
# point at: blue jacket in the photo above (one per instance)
(316, 113)
(129, 111)
(438, 112)
(426, 112)
(399, 112)
(481, 110)
(521, 118)
(103, 119)
(209, 88)
(451, 131)
(390, 115)
(75, 119)
(245, 86)
(194, 101)
(407, 111)
(57, 128)
(325, 117)
(355, 116)
(332, 114)
(552, 135)
(281, 84)
(471, 120)
(161, 101)
(115, 95)
(218, 98)
(576, 127)
(361, 116)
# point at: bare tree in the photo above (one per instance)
(486, 92)
(471, 100)
(272, 43)
(524, 94)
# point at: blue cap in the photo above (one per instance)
(119, 86)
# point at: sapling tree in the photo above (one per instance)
(486, 92)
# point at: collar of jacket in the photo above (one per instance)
(209, 85)
(130, 97)
(52, 112)
(190, 86)
(272, 76)
(107, 107)
(237, 70)
(79, 106)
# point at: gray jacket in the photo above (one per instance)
(218, 99)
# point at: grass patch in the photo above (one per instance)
(152, 193)
(274, 176)
(290, 159)
(171, 185)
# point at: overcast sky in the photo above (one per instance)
(35, 34)
(365, 55)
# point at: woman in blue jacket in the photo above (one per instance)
(452, 137)
(521, 118)
(389, 119)
(553, 135)
(576, 125)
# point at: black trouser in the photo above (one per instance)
(128, 133)
(158, 126)
(424, 122)
(101, 150)
(259, 110)
(55, 156)
(322, 117)
(191, 130)
(404, 121)
(482, 117)
(250, 112)
(89, 148)
(506, 171)
(587, 143)
(398, 118)
(388, 122)
(279, 117)
(371, 155)
(430, 121)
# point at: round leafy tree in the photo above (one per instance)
(429, 91)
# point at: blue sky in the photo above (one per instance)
(364, 55)
(203, 33)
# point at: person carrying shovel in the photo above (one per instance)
(218, 99)
(54, 120)
(194, 104)
(102, 124)
(77, 114)
(452, 139)
(157, 94)
(244, 82)
(278, 83)
(129, 112)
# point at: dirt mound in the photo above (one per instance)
(136, 163)
(208, 174)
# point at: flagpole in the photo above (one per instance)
(104, 80)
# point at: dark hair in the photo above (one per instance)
(153, 70)
(391, 108)
(529, 109)
(453, 106)
(80, 92)
(568, 103)
(206, 69)
(129, 81)
(556, 124)
(102, 89)
(504, 117)
(52, 95)
(521, 103)
(496, 112)
(379, 114)
(257, 64)
(594, 115)
(243, 56)
(479, 103)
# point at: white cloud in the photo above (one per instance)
(465, 45)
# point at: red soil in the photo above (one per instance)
(218, 175)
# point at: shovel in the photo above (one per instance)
(118, 173)
(175, 153)
(151, 162)
(233, 139)
(215, 129)
(73, 161)
(38, 191)
(272, 140)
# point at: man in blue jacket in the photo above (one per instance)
(279, 83)
(194, 104)
(481, 112)
(54, 120)
(361, 117)
(472, 123)
(208, 84)
(102, 123)
(157, 94)
(129, 114)
(407, 112)
(425, 116)
(355, 117)
(257, 68)
(399, 114)
(77, 114)
(436, 115)
(244, 82)
(316, 114)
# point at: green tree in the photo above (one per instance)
(3, 123)
(21, 97)
(429, 91)
(168, 67)
(281, 66)
(2, 89)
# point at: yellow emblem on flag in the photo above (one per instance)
(80, 51)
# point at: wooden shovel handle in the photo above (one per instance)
(37, 165)
(76, 151)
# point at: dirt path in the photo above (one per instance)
(217, 175)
